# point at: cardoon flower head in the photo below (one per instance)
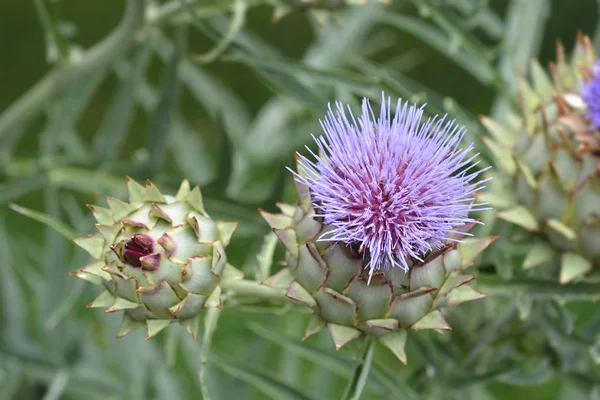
(590, 92)
(393, 187)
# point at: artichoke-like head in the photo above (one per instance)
(376, 243)
(159, 258)
(548, 180)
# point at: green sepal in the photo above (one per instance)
(454, 280)
(409, 310)
(471, 248)
(93, 244)
(128, 325)
(156, 325)
(503, 155)
(191, 305)
(541, 81)
(573, 266)
(276, 221)
(311, 271)
(109, 232)
(231, 273)
(214, 300)
(194, 199)
(184, 190)
(281, 280)
(198, 277)
(297, 292)
(191, 325)
(431, 274)
(287, 209)
(119, 208)
(121, 304)
(372, 300)
(452, 261)
(104, 300)
(136, 191)
(307, 229)
(124, 287)
(539, 253)
(94, 279)
(102, 215)
(152, 194)
(501, 134)
(226, 230)
(520, 216)
(562, 229)
(396, 342)
(159, 298)
(462, 294)
(434, 320)
(95, 268)
(342, 266)
(527, 174)
(288, 239)
(158, 212)
(342, 334)
(378, 327)
(336, 308)
(315, 325)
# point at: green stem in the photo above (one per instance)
(244, 287)
(539, 289)
(62, 77)
(361, 371)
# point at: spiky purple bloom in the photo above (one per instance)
(590, 92)
(394, 187)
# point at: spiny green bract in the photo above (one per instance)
(160, 258)
(548, 180)
(331, 278)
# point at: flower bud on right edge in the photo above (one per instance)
(548, 158)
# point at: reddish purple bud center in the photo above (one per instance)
(138, 246)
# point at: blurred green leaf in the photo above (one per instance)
(121, 109)
(57, 48)
(46, 219)
(361, 371)
(453, 47)
(263, 382)
(162, 116)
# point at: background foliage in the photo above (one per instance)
(216, 92)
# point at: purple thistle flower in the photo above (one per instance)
(590, 92)
(395, 187)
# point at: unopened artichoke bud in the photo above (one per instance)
(378, 242)
(549, 165)
(159, 258)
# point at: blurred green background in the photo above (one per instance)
(232, 125)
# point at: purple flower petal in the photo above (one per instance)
(590, 92)
(394, 186)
